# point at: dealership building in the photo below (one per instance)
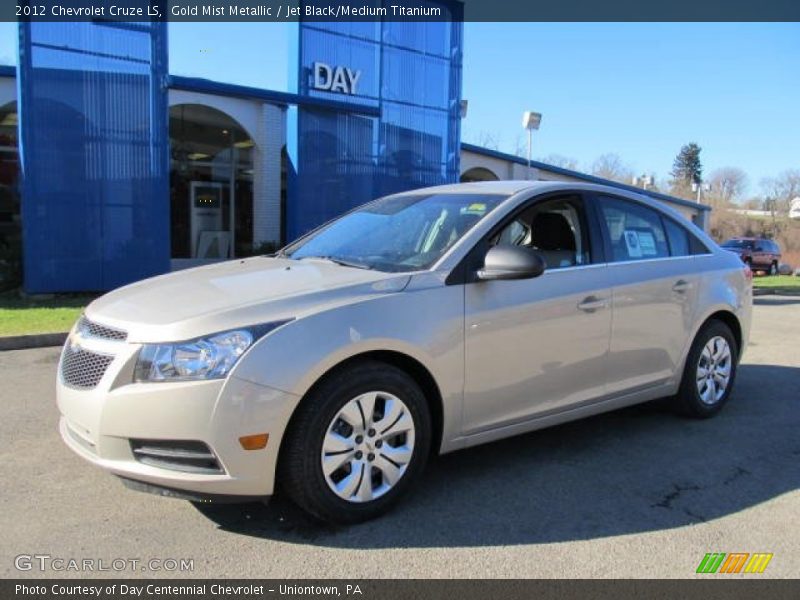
(113, 169)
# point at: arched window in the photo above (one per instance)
(478, 174)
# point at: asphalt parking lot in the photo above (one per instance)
(636, 493)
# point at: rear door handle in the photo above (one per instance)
(592, 303)
(681, 286)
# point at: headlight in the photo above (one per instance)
(210, 357)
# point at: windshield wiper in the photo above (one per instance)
(340, 261)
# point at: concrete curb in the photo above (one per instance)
(36, 340)
(773, 292)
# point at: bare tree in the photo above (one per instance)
(728, 185)
(485, 139)
(557, 160)
(521, 146)
(753, 203)
(610, 166)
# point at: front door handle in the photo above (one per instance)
(592, 303)
(681, 286)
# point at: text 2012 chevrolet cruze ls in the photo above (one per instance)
(422, 322)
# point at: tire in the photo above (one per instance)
(773, 269)
(330, 426)
(689, 400)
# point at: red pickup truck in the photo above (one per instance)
(761, 254)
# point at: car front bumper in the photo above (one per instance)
(103, 423)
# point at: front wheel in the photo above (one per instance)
(357, 443)
(709, 372)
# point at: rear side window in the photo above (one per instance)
(635, 231)
(679, 244)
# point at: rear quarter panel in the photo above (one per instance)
(723, 286)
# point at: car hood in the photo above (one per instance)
(199, 301)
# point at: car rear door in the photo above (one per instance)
(654, 293)
(537, 346)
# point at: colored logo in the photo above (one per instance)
(734, 562)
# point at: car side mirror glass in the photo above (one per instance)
(511, 262)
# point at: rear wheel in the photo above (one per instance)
(357, 444)
(709, 372)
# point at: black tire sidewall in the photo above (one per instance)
(322, 406)
(689, 396)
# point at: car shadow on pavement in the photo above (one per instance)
(635, 470)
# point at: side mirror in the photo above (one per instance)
(511, 262)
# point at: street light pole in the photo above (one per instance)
(530, 143)
(700, 187)
(530, 121)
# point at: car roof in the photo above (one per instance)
(514, 187)
(506, 187)
(511, 187)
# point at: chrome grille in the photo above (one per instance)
(83, 369)
(90, 329)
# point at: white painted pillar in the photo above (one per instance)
(270, 138)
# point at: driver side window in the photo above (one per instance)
(555, 228)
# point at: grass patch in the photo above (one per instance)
(21, 316)
(779, 284)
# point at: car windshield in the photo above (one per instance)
(405, 232)
(738, 244)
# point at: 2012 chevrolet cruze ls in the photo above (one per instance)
(422, 322)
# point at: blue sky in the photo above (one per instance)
(639, 90)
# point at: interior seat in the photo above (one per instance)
(553, 238)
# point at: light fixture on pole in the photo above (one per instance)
(698, 188)
(464, 105)
(530, 121)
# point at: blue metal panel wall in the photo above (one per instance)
(94, 154)
(411, 71)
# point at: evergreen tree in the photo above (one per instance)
(687, 168)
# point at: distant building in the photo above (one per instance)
(794, 210)
(751, 212)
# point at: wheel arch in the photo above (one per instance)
(730, 319)
(408, 364)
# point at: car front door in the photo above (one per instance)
(537, 346)
(654, 294)
(760, 256)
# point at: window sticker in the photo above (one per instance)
(476, 208)
(647, 243)
(632, 243)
